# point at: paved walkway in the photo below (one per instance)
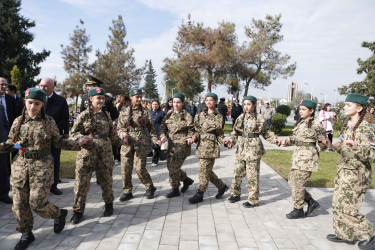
(163, 223)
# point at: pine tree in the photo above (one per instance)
(16, 77)
(14, 38)
(150, 89)
(116, 65)
(76, 61)
(366, 67)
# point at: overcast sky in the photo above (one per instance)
(323, 37)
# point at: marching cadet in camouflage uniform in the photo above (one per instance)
(208, 133)
(32, 170)
(178, 124)
(305, 159)
(132, 125)
(97, 124)
(248, 127)
(357, 148)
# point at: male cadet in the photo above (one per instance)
(108, 105)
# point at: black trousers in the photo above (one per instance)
(156, 156)
(330, 136)
(4, 175)
(56, 152)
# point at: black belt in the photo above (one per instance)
(37, 155)
(301, 143)
(208, 133)
(99, 136)
(249, 135)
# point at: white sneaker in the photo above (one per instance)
(154, 165)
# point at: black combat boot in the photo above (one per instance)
(25, 240)
(311, 206)
(198, 197)
(187, 183)
(126, 197)
(108, 210)
(367, 244)
(76, 218)
(334, 238)
(233, 198)
(59, 223)
(221, 191)
(296, 214)
(173, 193)
(150, 193)
(249, 205)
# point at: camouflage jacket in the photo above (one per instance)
(306, 157)
(250, 148)
(34, 136)
(209, 132)
(178, 130)
(138, 140)
(358, 159)
(99, 127)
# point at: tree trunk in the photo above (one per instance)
(247, 86)
(209, 79)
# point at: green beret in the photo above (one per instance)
(35, 93)
(135, 91)
(213, 95)
(308, 103)
(179, 95)
(251, 98)
(91, 80)
(356, 98)
(96, 91)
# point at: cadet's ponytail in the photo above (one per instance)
(23, 115)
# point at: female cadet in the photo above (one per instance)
(357, 148)
(97, 124)
(132, 125)
(32, 170)
(248, 127)
(178, 124)
(208, 133)
(305, 159)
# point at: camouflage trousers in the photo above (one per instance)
(347, 199)
(176, 174)
(207, 175)
(251, 169)
(103, 167)
(130, 161)
(297, 180)
(30, 198)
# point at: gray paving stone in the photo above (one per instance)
(163, 223)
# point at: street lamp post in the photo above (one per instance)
(312, 89)
(325, 97)
(172, 91)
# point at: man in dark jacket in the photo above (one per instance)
(223, 109)
(9, 103)
(20, 102)
(192, 109)
(236, 111)
(4, 175)
(108, 105)
(56, 107)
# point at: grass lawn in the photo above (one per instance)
(67, 164)
(280, 160)
(287, 131)
(228, 128)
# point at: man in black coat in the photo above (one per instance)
(192, 109)
(223, 109)
(56, 107)
(20, 102)
(8, 101)
(236, 111)
(108, 105)
(4, 174)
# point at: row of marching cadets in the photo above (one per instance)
(93, 134)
